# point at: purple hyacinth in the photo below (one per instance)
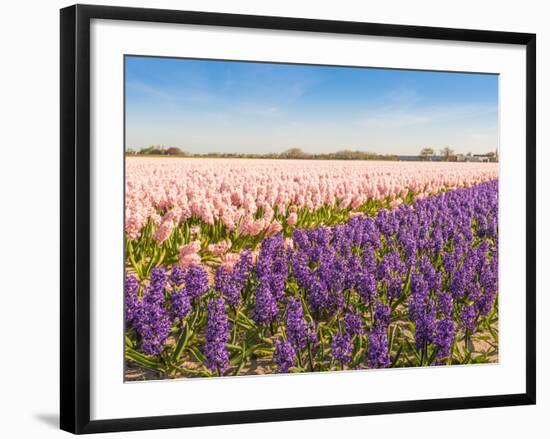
(342, 348)
(468, 318)
(272, 265)
(366, 286)
(377, 350)
(131, 300)
(331, 279)
(224, 282)
(157, 282)
(445, 304)
(300, 269)
(265, 305)
(422, 310)
(243, 267)
(231, 282)
(390, 273)
(419, 295)
(297, 331)
(382, 315)
(318, 294)
(489, 276)
(217, 335)
(196, 281)
(353, 324)
(484, 303)
(181, 303)
(444, 337)
(284, 356)
(425, 325)
(152, 320)
(432, 277)
(458, 283)
(352, 269)
(177, 276)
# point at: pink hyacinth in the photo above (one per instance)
(229, 260)
(274, 228)
(133, 226)
(220, 248)
(253, 228)
(292, 219)
(189, 260)
(163, 231)
(191, 248)
(394, 204)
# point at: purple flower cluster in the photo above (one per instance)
(377, 349)
(231, 282)
(265, 305)
(353, 323)
(422, 311)
(445, 304)
(131, 287)
(181, 303)
(377, 352)
(390, 273)
(382, 315)
(444, 337)
(272, 265)
(468, 318)
(195, 283)
(324, 265)
(177, 276)
(298, 332)
(272, 272)
(150, 318)
(342, 348)
(284, 356)
(217, 335)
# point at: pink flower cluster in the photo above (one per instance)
(189, 254)
(232, 190)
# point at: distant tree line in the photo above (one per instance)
(157, 150)
(427, 154)
(293, 153)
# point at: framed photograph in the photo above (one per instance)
(286, 218)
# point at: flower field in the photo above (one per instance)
(238, 267)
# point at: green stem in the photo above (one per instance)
(234, 331)
(310, 356)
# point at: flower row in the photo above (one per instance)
(254, 195)
(412, 286)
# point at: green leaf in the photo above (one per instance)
(182, 342)
(396, 357)
(414, 351)
(199, 356)
(143, 360)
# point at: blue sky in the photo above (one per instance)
(225, 106)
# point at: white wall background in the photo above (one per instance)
(29, 248)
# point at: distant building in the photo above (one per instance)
(483, 158)
(418, 158)
(409, 158)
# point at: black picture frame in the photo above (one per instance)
(75, 217)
